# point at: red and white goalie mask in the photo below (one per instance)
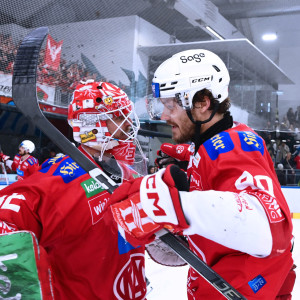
(101, 116)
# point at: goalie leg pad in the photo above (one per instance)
(24, 271)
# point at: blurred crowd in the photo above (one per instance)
(284, 149)
(66, 77)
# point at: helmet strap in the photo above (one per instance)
(197, 138)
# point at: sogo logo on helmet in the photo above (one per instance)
(195, 57)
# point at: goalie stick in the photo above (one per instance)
(25, 99)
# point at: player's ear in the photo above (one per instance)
(199, 108)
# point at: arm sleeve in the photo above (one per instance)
(236, 221)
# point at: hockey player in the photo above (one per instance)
(58, 239)
(231, 209)
(24, 163)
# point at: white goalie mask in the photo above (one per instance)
(184, 74)
(93, 104)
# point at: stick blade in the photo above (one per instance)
(26, 62)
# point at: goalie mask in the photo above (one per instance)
(181, 76)
(93, 104)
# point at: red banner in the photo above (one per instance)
(53, 52)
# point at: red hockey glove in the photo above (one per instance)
(173, 154)
(156, 203)
(139, 229)
(3, 157)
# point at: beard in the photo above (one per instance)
(183, 134)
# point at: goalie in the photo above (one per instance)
(58, 240)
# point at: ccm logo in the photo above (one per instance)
(150, 184)
(201, 79)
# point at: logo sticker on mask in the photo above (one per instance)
(86, 137)
(108, 100)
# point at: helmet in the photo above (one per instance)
(28, 146)
(92, 105)
(187, 72)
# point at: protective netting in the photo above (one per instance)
(123, 42)
(103, 40)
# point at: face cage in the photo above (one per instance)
(108, 142)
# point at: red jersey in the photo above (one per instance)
(26, 167)
(297, 161)
(67, 211)
(234, 166)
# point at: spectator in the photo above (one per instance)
(297, 165)
(297, 117)
(281, 174)
(152, 169)
(290, 116)
(288, 165)
(271, 152)
(282, 151)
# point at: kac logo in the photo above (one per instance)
(130, 282)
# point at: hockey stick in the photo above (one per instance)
(24, 97)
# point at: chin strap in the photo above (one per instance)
(223, 124)
(196, 139)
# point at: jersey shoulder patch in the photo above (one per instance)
(220, 143)
(64, 166)
(47, 164)
(32, 160)
(68, 170)
(250, 142)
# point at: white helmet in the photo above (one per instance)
(28, 146)
(187, 72)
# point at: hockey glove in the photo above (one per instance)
(173, 154)
(3, 157)
(156, 203)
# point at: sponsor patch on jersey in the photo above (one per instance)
(68, 170)
(271, 206)
(20, 172)
(130, 281)
(195, 182)
(257, 283)
(123, 245)
(50, 162)
(91, 187)
(97, 206)
(251, 142)
(220, 143)
(32, 161)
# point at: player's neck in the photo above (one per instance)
(24, 157)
